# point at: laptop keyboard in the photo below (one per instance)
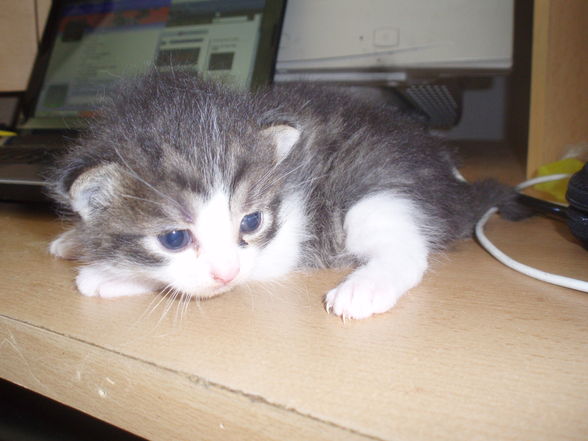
(26, 156)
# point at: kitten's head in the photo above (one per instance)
(180, 185)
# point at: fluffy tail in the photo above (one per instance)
(475, 199)
(466, 205)
(491, 193)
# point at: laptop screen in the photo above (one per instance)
(97, 43)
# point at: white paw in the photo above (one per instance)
(97, 281)
(363, 294)
(65, 246)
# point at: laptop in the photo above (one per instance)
(89, 45)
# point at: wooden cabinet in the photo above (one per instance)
(558, 115)
(21, 25)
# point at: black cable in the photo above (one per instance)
(544, 207)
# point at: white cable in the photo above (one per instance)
(555, 279)
(541, 180)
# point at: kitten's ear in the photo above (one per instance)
(93, 189)
(284, 138)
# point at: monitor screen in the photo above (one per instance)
(99, 42)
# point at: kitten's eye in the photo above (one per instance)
(250, 222)
(175, 240)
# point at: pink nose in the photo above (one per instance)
(224, 275)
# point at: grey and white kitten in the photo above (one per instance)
(188, 185)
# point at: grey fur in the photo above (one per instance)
(174, 136)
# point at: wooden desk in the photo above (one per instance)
(475, 352)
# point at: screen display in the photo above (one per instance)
(100, 42)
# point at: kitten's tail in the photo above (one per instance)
(490, 193)
(479, 197)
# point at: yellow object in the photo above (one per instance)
(7, 133)
(557, 189)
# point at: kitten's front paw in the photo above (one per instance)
(363, 294)
(96, 281)
(65, 246)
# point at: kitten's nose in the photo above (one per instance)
(224, 275)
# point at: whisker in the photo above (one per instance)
(260, 182)
(264, 184)
(198, 305)
(291, 171)
(177, 301)
(300, 184)
(141, 180)
(180, 309)
(180, 300)
(187, 300)
(156, 300)
(169, 304)
(128, 196)
(161, 296)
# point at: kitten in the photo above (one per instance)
(188, 185)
